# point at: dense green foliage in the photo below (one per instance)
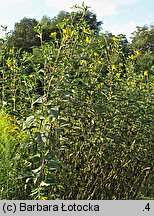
(12, 142)
(143, 41)
(143, 38)
(24, 35)
(82, 115)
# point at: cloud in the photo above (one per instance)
(126, 29)
(12, 11)
(126, 2)
(12, 3)
(100, 7)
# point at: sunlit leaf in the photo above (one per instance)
(29, 121)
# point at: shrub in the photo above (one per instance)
(11, 161)
(89, 126)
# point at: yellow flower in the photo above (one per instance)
(88, 40)
(138, 53)
(118, 75)
(30, 75)
(114, 67)
(132, 57)
(65, 58)
(146, 73)
(99, 85)
(8, 62)
(43, 198)
(53, 34)
(11, 51)
(83, 61)
(99, 62)
(121, 64)
(85, 30)
(115, 39)
(96, 54)
(65, 31)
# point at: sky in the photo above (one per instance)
(118, 16)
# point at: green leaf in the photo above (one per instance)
(53, 164)
(54, 111)
(37, 170)
(29, 121)
(41, 137)
(38, 99)
(43, 184)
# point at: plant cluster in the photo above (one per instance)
(77, 118)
